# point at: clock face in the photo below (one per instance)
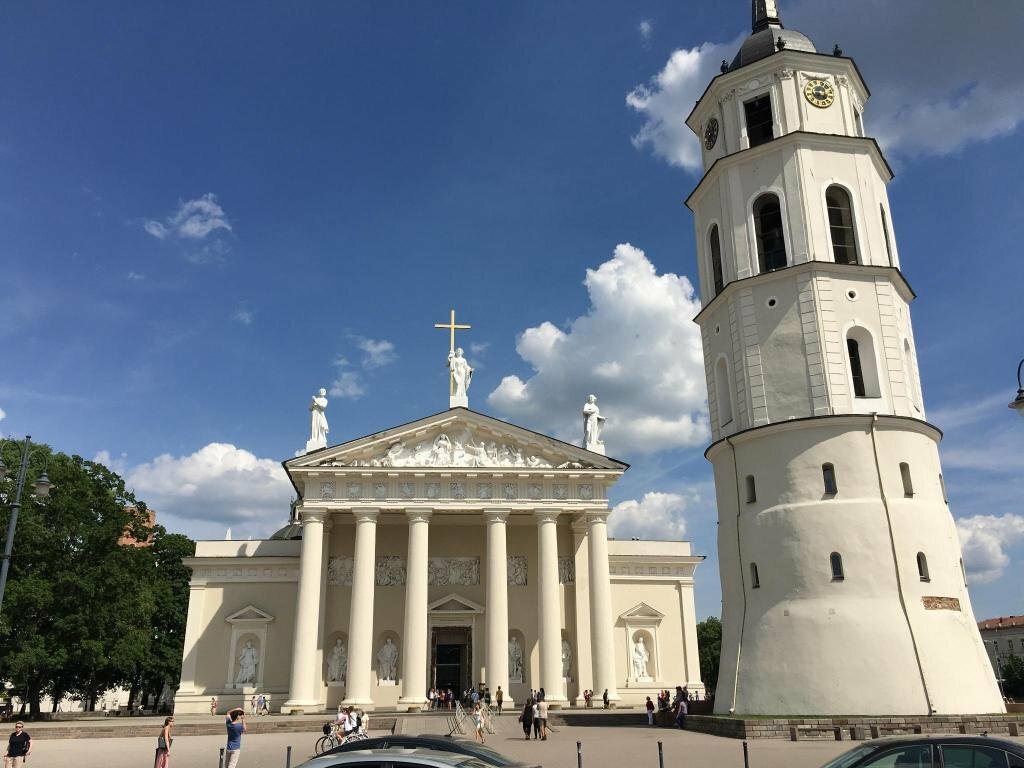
(820, 93)
(711, 133)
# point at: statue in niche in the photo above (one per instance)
(318, 421)
(461, 373)
(515, 660)
(593, 423)
(248, 660)
(640, 659)
(337, 663)
(566, 658)
(387, 661)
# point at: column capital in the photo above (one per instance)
(310, 515)
(496, 515)
(595, 515)
(366, 514)
(543, 515)
(419, 514)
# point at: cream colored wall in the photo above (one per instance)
(799, 611)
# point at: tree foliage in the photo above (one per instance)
(709, 642)
(1013, 677)
(83, 612)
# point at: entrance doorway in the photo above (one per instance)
(451, 652)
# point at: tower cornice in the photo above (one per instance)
(814, 265)
(810, 139)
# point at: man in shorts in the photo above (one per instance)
(235, 724)
(542, 712)
(19, 746)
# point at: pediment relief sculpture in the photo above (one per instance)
(462, 449)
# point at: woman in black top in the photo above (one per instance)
(526, 718)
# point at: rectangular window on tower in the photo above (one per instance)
(758, 113)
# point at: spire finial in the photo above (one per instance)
(765, 13)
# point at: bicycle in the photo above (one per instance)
(332, 739)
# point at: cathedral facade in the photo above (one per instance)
(454, 551)
(843, 584)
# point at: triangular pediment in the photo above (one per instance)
(454, 604)
(249, 614)
(455, 439)
(642, 611)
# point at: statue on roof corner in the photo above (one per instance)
(461, 375)
(318, 422)
(593, 423)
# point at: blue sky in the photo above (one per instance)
(206, 213)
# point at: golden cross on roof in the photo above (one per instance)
(451, 326)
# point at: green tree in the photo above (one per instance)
(709, 643)
(80, 613)
(1013, 676)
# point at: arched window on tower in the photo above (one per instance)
(840, 225)
(836, 561)
(751, 490)
(860, 351)
(771, 241)
(715, 246)
(723, 392)
(911, 376)
(755, 580)
(922, 567)
(828, 475)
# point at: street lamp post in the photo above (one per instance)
(1018, 402)
(999, 668)
(42, 489)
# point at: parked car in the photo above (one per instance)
(394, 758)
(454, 744)
(934, 751)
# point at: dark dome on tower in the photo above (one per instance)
(767, 32)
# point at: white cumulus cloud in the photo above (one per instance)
(655, 516)
(217, 483)
(244, 316)
(194, 220)
(376, 352)
(983, 539)
(3, 414)
(637, 349)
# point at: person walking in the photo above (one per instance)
(536, 719)
(213, 706)
(681, 712)
(499, 697)
(235, 725)
(542, 712)
(604, 698)
(163, 745)
(478, 722)
(650, 710)
(19, 746)
(526, 718)
(252, 705)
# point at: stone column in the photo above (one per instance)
(193, 631)
(414, 635)
(691, 655)
(497, 604)
(602, 642)
(360, 618)
(549, 613)
(301, 694)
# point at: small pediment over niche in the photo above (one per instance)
(249, 615)
(454, 604)
(642, 611)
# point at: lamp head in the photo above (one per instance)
(42, 486)
(1018, 403)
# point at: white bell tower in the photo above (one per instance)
(842, 581)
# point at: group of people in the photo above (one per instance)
(234, 724)
(350, 721)
(588, 698)
(676, 704)
(444, 698)
(534, 717)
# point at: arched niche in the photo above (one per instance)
(247, 649)
(336, 660)
(387, 659)
(641, 624)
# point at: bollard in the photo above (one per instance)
(746, 756)
(288, 757)
(661, 756)
(220, 762)
(579, 754)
